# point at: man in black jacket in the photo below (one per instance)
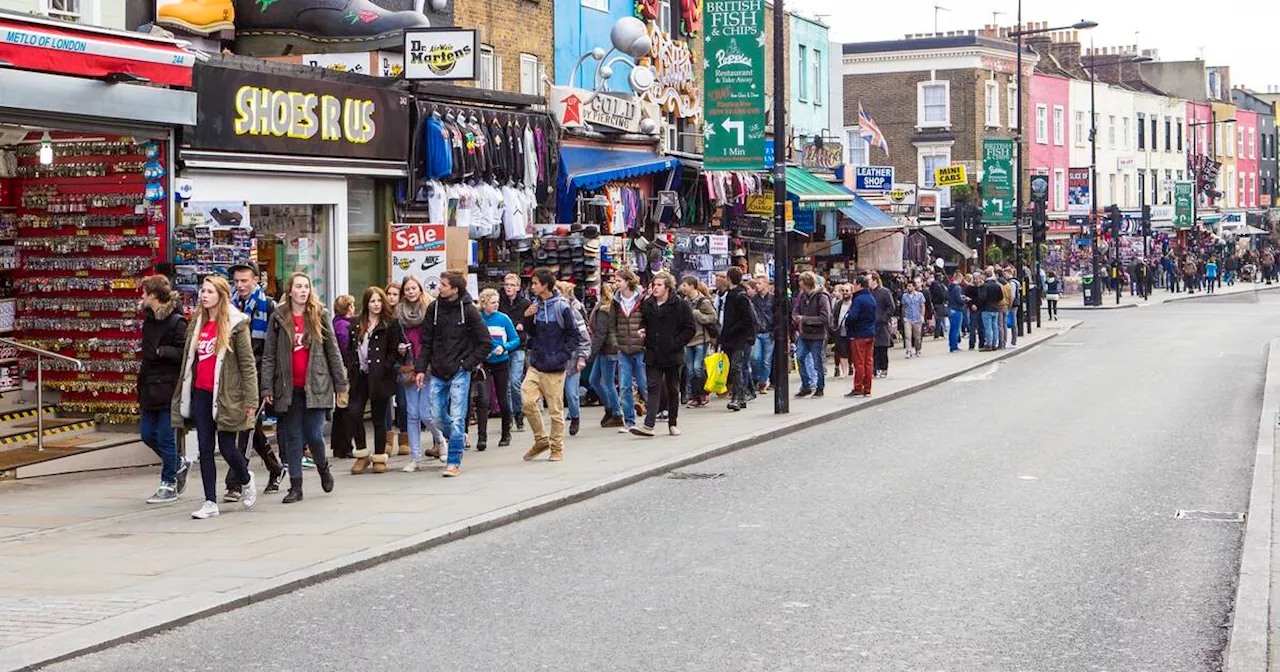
(163, 337)
(736, 336)
(991, 295)
(455, 340)
(812, 320)
(938, 297)
(514, 305)
(666, 324)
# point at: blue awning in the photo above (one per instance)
(594, 167)
(868, 217)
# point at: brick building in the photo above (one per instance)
(516, 38)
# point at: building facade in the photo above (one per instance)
(1264, 112)
(809, 84)
(104, 13)
(582, 25)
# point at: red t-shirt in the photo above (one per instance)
(301, 355)
(206, 358)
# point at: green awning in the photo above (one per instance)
(814, 193)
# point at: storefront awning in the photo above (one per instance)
(814, 193)
(594, 167)
(868, 217)
(944, 237)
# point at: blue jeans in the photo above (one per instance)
(300, 427)
(396, 417)
(991, 328)
(157, 433)
(956, 319)
(210, 438)
(572, 393)
(694, 361)
(630, 374)
(603, 374)
(453, 418)
(418, 411)
(813, 370)
(516, 372)
(762, 357)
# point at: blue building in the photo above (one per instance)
(580, 26)
(810, 90)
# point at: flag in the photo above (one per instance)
(871, 132)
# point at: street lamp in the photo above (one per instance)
(1195, 167)
(1017, 186)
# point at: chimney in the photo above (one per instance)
(1067, 52)
(1043, 46)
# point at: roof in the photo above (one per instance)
(930, 43)
(814, 193)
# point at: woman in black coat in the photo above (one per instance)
(371, 367)
(164, 335)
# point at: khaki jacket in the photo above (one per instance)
(326, 373)
(235, 378)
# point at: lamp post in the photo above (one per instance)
(781, 249)
(1017, 185)
(1195, 167)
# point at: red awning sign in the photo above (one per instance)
(92, 53)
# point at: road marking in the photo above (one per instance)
(1029, 478)
(980, 375)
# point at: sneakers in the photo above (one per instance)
(414, 465)
(520, 424)
(209, 510)
(181, 479)
(231, 496)
(536, 450)
(273, 482)
(735, 406)
(664, 415)
(250, 492)
(625, 428)
(910, 354)
(817, 394)
(642, 430)
(673, 430)
(804, 392)
(167, 494)
(308, 463)
(556, 456)
(450, 471)
(574, 425)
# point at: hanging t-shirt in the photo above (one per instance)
(206, 357)
(301, 354)
(515, 215)
(436, 202)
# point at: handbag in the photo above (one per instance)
(408, 373)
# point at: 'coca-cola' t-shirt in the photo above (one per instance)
(301, 355)
(206, 357)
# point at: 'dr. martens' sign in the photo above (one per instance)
(254, 112)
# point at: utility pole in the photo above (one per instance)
(781, 249)
(1020, 313)
(1093, 178)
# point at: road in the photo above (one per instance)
(1020, 518)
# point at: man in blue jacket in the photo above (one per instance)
(860, 324)
(553, 343)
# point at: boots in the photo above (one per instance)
(279, 27)
(275, 471)
(379, 464)
(326, 478)
(200, 17)
(403, 440)
(390, 447)
(295, 490)
(362, 461)
(506, 433)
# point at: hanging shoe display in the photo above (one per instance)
(280, 27)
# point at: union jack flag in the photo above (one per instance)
(870, 131)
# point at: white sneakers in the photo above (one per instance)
(209, 510)
(414, 465)
(250, 497)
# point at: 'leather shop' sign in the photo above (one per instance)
(255, 112)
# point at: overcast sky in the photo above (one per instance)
(1239, 38)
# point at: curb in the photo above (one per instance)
(1111, 307)
(155, 619)
(1178, 297)
(1247, 645)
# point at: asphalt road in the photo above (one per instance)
(1020, 518)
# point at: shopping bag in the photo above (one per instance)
(717, 364)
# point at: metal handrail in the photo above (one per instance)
(40, 355)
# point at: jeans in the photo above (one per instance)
(604, 374)
(762, 357)
(956, 319)
(940, 314)
(695, 364)
(572, 393)
(498, 373)
(631, 373)
(664, 381)
(515, 371)
(539, 385)
(973, 324)
(418, 411)
(863, 364)
(990, 333)
(262, 447)
(354, 416)
(813, 370)
(157, 433)
(1002, 318)
(398, 418)
(207, 436)
(880, 357)
(448, 410)
(302, 426)
(739, 375)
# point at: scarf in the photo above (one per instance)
(411, 316)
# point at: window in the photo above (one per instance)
(931, 158)
(1179, 135)
(1059, 125)
(671, 128)
(1253, 148)
(1011, 105)
(1111, 131)
(487, 78)
(1168, 134)
(1217, 139)
(1124, 195)
(1042, 125)
(1111, 187)
(859, 150)
(1142, 131)
(601, 5)
(1240, 141)
(1059, 190)
(529, 67)
(1253, 190)
(817, 77)
(65, 10)
(1080, 135)
(804, 73)
(1124, 136)
(1155, 188)
(933, 104)
(1167, 193)
(993, 104)
(664, 16)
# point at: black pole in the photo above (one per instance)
(1093, 180)
(781, 253)
(1020, 313)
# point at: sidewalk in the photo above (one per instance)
(1158, 297)
(84, 564)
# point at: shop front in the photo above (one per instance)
(291, 171)
(88, 119)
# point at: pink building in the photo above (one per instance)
(1246, 159)
(1049, 137)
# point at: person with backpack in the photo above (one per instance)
(812, 319)
(552, 349)
(164, 333)
(251, 299)
(573, 374)
(737, 336)
(706, 331)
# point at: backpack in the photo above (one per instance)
(713, 329)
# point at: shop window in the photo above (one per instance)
(601, 5)
(65, 10)
(361, 207)
(293, 238)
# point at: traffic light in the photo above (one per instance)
(1039, 221)
(1146, 220)
(1115, 220)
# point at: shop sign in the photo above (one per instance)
(997, 180)
(1183, 193)
(1078, 202)
(873, 178)
(354, 63)
(1039, 189)
(440, 54)
(950, 176)
(256, 112)
(826, 156)
(927, 205)
(418, 250)
(903, 193)
(761, 205)
(579, 108)
(65, 49)
(390, 64)
(1125, 163)
(675, 85)
(733, 53)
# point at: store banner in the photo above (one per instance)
(997, 180)
(1183, 193)
(263, 113)
(579, 108)
(873, 178)
(418, 250)
(63, 48)
(953, 175)
(733, 50)
(440, 54)
(1078, 201)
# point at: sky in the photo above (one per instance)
(1229, 40)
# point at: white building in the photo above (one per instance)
(1115, 109)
